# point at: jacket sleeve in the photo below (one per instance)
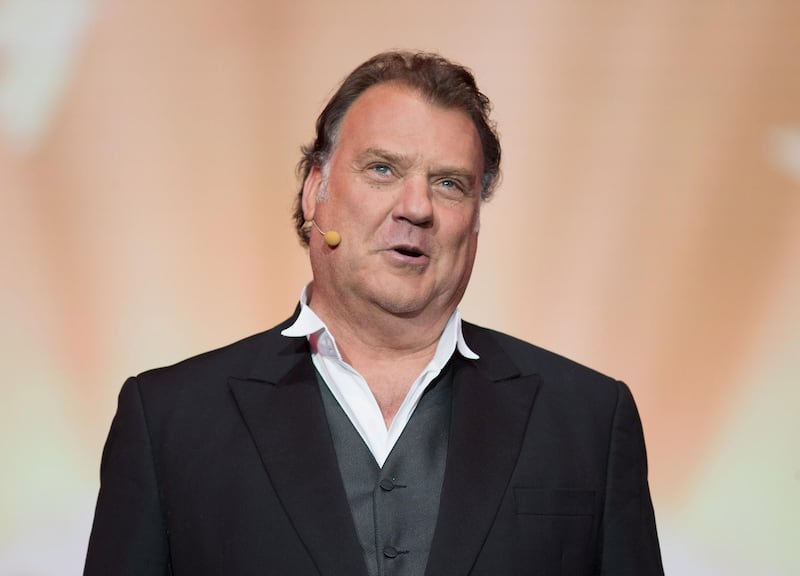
(629, 541)
(128, 536)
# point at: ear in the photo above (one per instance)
(310, 191)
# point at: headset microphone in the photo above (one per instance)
(331, 237)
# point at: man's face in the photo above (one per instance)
(403, 189)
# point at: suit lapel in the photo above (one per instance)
(281, 404)
(491, 407)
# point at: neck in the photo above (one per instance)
(389, 351)
(373, 335)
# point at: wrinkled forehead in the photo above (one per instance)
(388, 105)
(401, 118)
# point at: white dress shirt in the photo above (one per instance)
(351, 390)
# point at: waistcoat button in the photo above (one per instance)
(390, 551)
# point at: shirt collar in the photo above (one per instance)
(311, 326)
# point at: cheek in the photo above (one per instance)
(463, 232)
(461, 252)
(365, 212)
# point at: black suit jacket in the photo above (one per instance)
(224, 464)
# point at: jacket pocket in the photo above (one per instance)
(554, 502)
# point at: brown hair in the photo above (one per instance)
(443, 82)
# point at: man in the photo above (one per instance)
(374, 432)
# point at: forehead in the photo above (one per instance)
(399, 119)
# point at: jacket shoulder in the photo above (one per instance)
(219, 364)
(532, 359)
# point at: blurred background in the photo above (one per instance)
(648, 225)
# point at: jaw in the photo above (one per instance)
(404, 281)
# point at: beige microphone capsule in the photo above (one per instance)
(332, 238)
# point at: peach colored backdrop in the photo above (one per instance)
(648, 225)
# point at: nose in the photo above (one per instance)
(414, 204)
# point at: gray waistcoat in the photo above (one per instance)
(395, 507)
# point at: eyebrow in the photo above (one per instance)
(381, 154)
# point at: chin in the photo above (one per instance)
(400, 306)
(401, 303)
(404, 311)
(401, 298)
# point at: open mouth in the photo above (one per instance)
(408, 252)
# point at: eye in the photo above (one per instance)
(381, 169)
(451, 186)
